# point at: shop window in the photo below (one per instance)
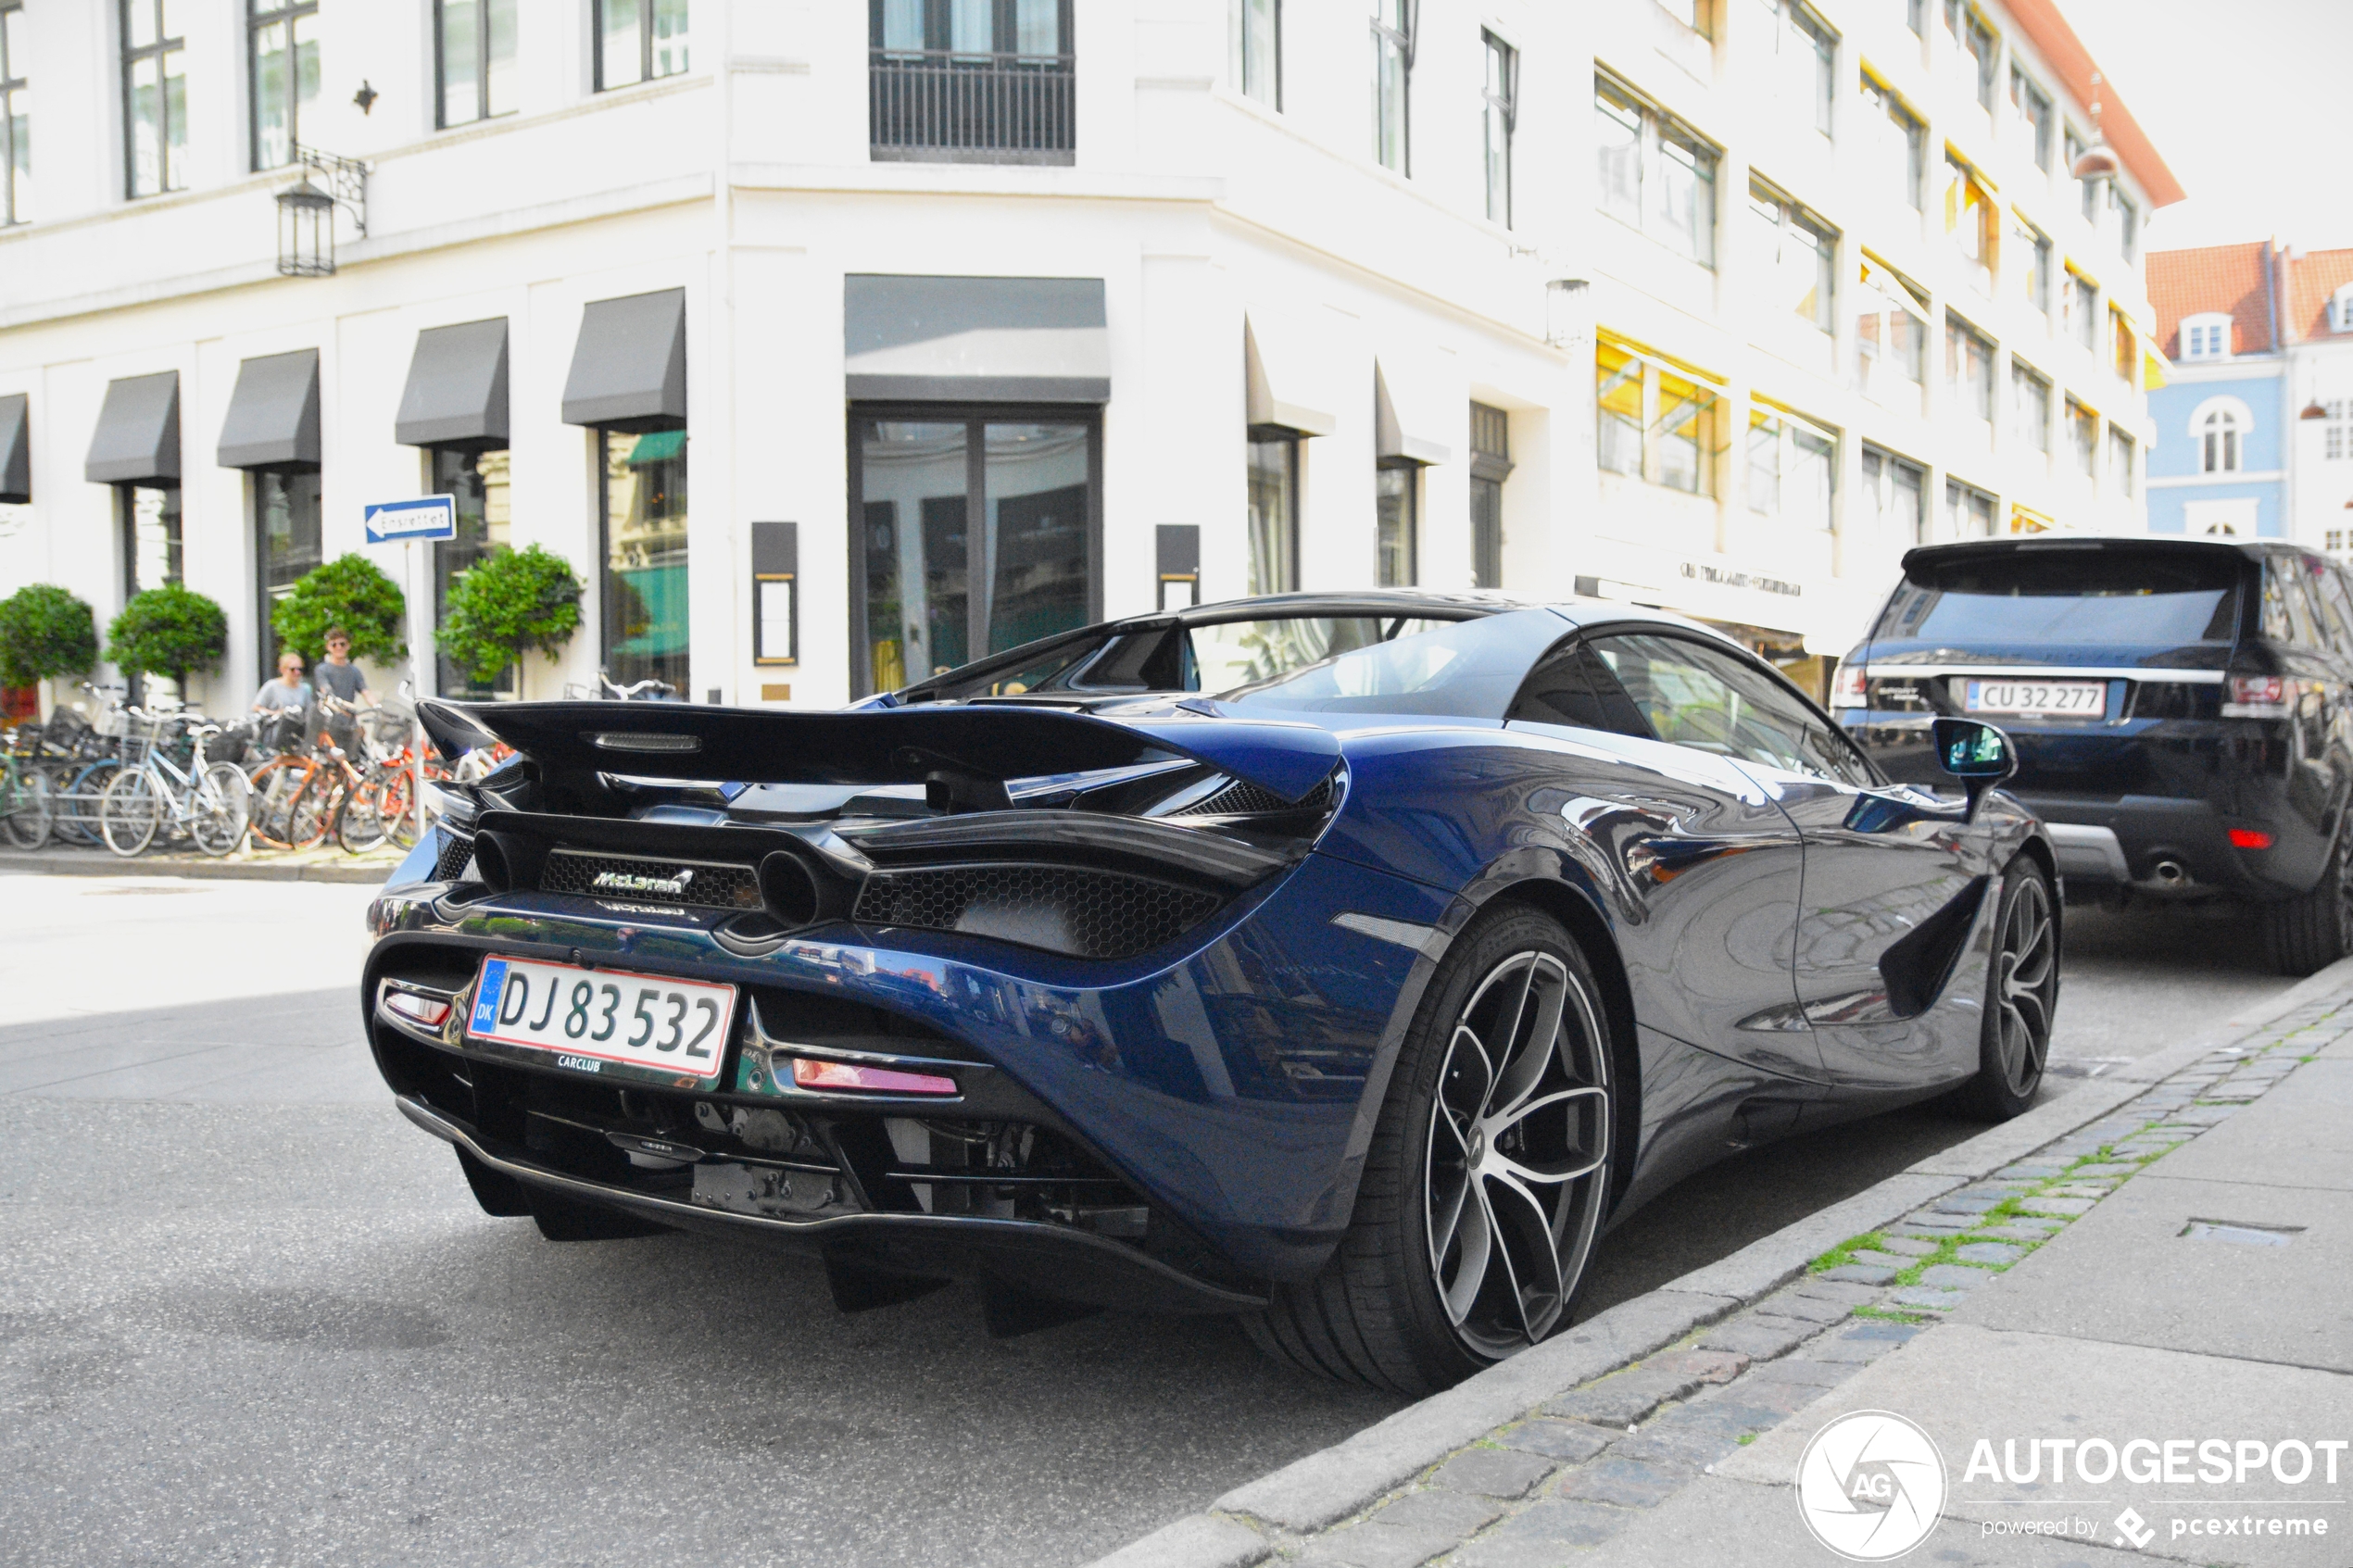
(155, 99)
(285, 544)
(1274, 513)
(642, 613)
(1656, 174)
(282, 75)
(640, 41)
(149, 517)
(935, 591)
(479, 483)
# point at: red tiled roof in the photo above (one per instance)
(2042, 22)
(2225, 278)
(2311, 279)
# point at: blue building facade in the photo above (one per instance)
(2217, 465)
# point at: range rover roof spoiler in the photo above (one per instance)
(691, 741)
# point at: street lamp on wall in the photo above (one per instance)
(307, 212)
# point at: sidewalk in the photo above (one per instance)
(324, 864)
(2164, 1263)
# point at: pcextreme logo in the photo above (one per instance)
(1870, 1486)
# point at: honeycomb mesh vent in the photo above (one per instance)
(1243, 798)
(1092, 914)
(706, 885)
(451, 862)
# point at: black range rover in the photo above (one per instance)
(2180, 710)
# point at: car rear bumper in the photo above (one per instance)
(2164, 845)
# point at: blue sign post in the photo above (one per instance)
(426, 517)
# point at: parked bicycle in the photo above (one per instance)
(157, 792)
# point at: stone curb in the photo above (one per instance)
(92, 863)
(1329, 1486)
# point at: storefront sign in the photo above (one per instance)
(1702, 572)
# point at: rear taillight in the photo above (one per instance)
(2261, 697)
(857, 1078)
(2250, 838)
(1850, 687)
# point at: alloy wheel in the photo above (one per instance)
(2025, 983)
(1515, 1170)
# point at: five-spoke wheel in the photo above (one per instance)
(2022, 993)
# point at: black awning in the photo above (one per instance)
(137, 441)
(16, 448)
(1031, 340)
(629, 366)
(273, 414)
(457, 390)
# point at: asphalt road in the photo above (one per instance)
(247, 1315)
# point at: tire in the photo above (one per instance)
(273, 784)
(129, 812)
(1508, 1167)
(310, 815)
(78, 816)
(30, 813)
(220, 823)
(2022, 994)
(359, 817)
(2305, 934)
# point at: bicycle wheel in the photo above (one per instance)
(400, 807)
(25, 808)
(222, 808)
(310, 815)
(275, 785)
(360, 819)
(130, 812)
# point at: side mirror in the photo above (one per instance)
(1978, 755)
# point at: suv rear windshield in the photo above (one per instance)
(2088, 597)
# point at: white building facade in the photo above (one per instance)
(832, 343)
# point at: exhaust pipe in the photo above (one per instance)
(2169, 873)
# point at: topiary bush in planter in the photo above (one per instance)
(349, 592)
(168, 631)
(517, 600)
(45, 631)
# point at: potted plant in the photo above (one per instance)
(514, 600)
(44, 631)
(349, 592)
(168, 631)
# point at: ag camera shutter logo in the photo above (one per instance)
(1870, 1486)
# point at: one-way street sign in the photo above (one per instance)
(427, 517)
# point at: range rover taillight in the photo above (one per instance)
(2261, 697)
(1849, 687)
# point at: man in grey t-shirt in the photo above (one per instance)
(337, 676)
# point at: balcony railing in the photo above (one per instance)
(937, 106)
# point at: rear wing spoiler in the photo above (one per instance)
(691, 742)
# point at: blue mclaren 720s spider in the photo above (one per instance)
(1347, 963)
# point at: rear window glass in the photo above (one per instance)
(1461, 669)
(1226, 654)
(2067, 596)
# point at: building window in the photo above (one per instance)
(644, 41)
(2332, 540)
(1969, 511)
(2084, 439)
(155, 100)
(1896, 138)
(16, 118)
(2337, 433)
(1392, 82)
(2120, 463)
(282, 68)
(1500, 112)
(1656, 174)
(642, 620)
(2029, 406)
(1792, 465)
(2218, 437)
(1970, 222)
(151, 558)
(1916, 15)
(1890, 341)
(2120, 332)
(2341, 309)
(1974, 49)
(2033, 118)
(1274, 514)
(977, 530)
(478, 481)
(285, 544)
(1397, 531)
(1890, 498)
(475, 56)
(1804, 52)
(2128, 224)
(1257, 56)
(970, 81)
(1655, 424)
(1491, 440)
(1969, 369)
(2034, 263)
(1693, 13)
(2081, 306)
(1800, 254)
(2206, 337)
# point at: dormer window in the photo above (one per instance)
(2341, 309)
(2206, 336)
